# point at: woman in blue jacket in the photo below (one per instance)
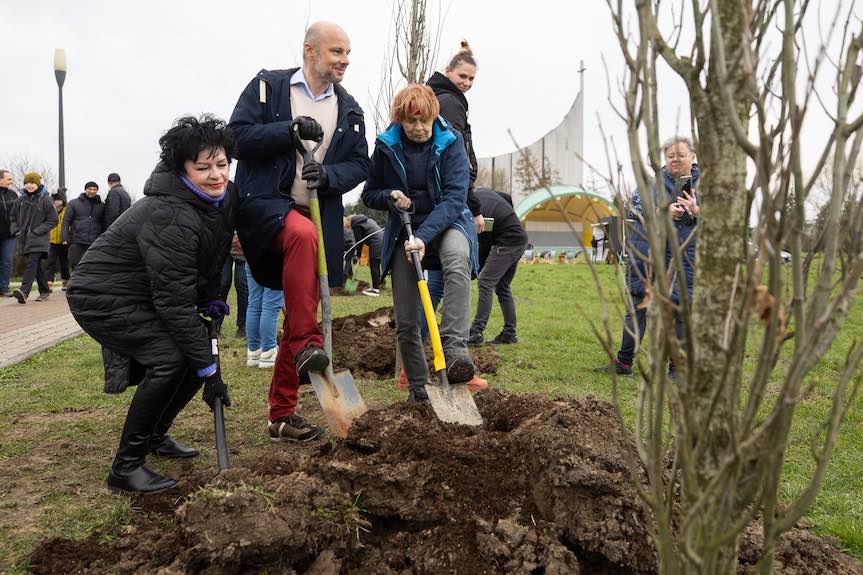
(419, 161)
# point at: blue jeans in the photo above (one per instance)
(262, 315)
(7, 255)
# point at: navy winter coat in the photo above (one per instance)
(638, 239)
(267, 167)
(447, 182)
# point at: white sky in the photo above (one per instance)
(133, 67)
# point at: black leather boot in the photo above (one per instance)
(139, 480)
(128, 472)
(161, 443)
(167, 447)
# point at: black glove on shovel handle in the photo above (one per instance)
(219, 394)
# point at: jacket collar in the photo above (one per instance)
(442, 135)
(440, 84)
(164, 182)
(347, 103)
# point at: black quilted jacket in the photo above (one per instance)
(156, 264)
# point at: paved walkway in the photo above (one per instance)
(33, 327)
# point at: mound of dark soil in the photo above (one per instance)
(541, 487)
(366, 345)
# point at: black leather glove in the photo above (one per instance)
(316, 176)
(214, 387)
(307, 128)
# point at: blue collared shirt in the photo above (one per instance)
(300, 78)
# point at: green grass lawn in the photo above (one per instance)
(58, 430)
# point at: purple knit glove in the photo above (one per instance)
(217, 309)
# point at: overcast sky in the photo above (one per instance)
(133, 67)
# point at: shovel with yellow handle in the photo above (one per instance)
(451, 403)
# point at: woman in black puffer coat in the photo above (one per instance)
(139, 287)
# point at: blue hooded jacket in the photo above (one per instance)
(448, 179)
(636, 266)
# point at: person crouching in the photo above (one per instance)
(139, 286)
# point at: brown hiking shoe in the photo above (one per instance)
(43, 296)
(293, 428)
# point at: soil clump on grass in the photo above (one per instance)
(365, 344)
(541, 487)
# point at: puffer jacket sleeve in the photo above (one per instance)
(169, 242)
(255, 137)
(454, 183)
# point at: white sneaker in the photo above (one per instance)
(268, 358)
(372, 292)
(252, 357)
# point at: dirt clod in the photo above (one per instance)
(365, 344)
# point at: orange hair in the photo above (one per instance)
(414, 101)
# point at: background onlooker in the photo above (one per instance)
(34, 217)
(84, 222)
(367, 232)
(117, 201)
(8, 197)
(58, 256)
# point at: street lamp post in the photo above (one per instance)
(60, 75)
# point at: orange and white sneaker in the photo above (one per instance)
(477, 383)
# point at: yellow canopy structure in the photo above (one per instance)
(540, 213)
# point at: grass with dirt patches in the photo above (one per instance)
(58, 430)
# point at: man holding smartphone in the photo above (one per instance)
(679, 179)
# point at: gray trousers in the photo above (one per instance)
(496, 277)
(454, 252)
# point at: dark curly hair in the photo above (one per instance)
(189, 136)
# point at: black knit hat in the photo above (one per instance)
(91, 185)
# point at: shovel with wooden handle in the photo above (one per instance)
(336, 391)
(451, 403)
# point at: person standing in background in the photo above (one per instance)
(83, 222)
(58, 256)
(8, 197)
(117, 201)
(34, 217)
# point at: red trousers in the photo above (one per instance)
(298, 243)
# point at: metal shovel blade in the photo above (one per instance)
(339, 398)
(453, 404)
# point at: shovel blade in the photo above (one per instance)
(351, 285)
(339, 398)
(453, 404)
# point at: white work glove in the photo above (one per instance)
(479, 222)
(401, 201)
(414, 244)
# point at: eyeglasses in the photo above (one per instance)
(678, 156)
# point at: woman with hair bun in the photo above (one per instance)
(138, 289)
(450, 89)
